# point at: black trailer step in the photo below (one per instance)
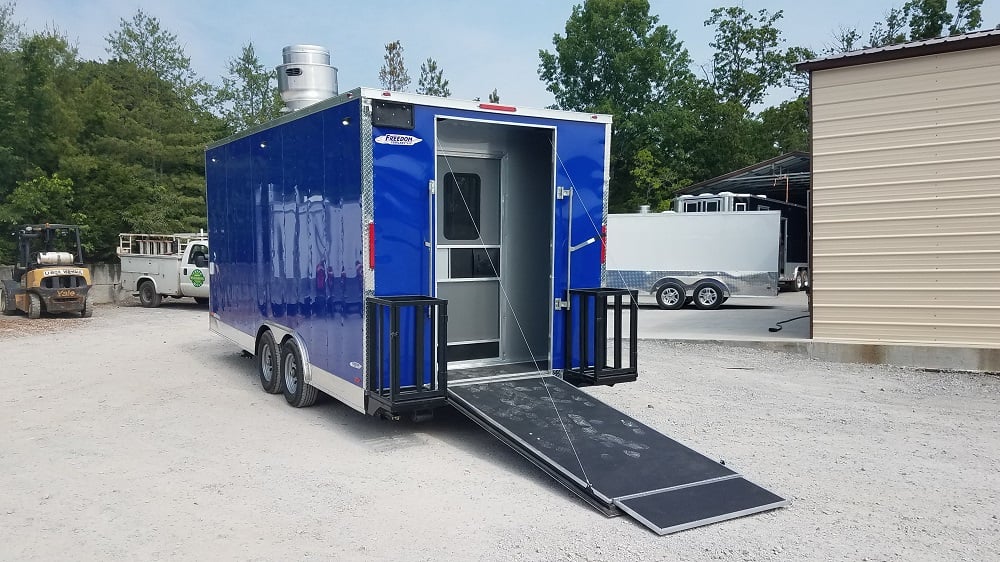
(603, 455)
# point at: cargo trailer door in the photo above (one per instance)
(468, 254)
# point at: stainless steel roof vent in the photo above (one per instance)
(305, 77)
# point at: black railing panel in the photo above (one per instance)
(406, 365)
(586, 336)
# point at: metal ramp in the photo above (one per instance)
(612, 461)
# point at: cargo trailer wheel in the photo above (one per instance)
(148, 297)
(34, 305)
(267, 364)
(708, 296)
(670, 296)
(297, 392)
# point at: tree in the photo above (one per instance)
(393, 75)
(432, 81)
(748, 59)
(494, 96)
(249, 95)
(10, 30)
(845, 39)
(927, 18)
(968, 17)
(614, 58)
(39, 200)
(144, 43)
(890, 31)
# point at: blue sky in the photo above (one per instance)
(479, 45)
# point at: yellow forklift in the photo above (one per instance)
(49, 275)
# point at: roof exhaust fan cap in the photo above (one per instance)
(305, 77)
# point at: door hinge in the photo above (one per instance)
(561, 304)
(432, 187)
(563, 192)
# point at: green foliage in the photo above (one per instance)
(114, 147)
(10, 30)
(249, 95)
(968, 17)
(671, 129)
(432, 81)
(927, 18)
(39, 200)
(393, 75)
(748, 59)
(144, 43)
(614, 58)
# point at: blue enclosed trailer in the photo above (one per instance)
(401, 253)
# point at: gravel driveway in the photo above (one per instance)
(138, 435)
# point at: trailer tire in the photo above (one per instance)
(148, 297)
(670, 296)
(268, 364)
(34, 305)
(708, 296)
(801, 282)
(297, 392)
(201, 300)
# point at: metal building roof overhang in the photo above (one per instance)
(772, 177)
(975, 40)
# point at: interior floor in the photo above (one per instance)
(498, 370)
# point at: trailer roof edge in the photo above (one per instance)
(418, 99)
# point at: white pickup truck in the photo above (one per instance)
(164, 265)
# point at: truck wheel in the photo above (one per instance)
(800, 281)
(707, 296)
(268, 365)
(201, 300)
(34, 305)
(148, 296)
(297, 392)
(6, 302)
(670, 296)
(88, 308)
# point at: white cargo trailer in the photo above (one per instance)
(703, 258)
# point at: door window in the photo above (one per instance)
(462, 195)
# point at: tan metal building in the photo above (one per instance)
(906, 193)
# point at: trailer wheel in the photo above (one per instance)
(670, 296)
(708, 296)
(148, 297)
(268, 366)
(34, 305)
(297, 392)
(201, 300)
(800, 281)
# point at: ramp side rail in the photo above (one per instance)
(406, 364)
(586, 336)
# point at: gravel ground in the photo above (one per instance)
(138, 435)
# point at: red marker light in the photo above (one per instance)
(495, 107)
(604, 244)
(371, 245)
